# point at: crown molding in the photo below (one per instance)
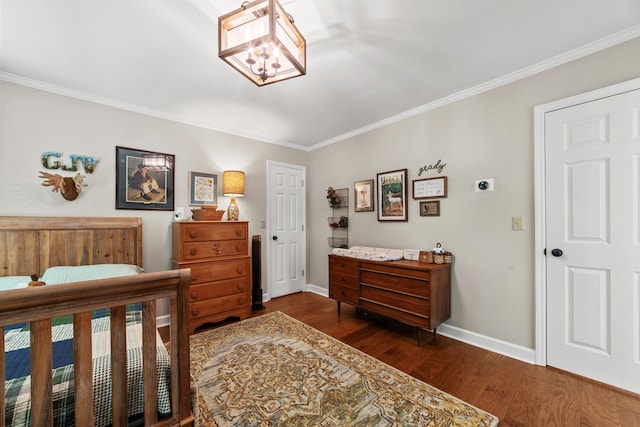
(588, 49)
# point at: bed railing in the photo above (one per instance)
(40, 305)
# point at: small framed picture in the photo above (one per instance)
(430, 188)
(425, 257)
(203, 189)
(430, 208)
(392, 196)
(144, 179)
(363, 191)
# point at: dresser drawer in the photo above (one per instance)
(213, 231)
(344, 293)
(400, 283)
(212, 249)
(343, 265)
(408, 317)
(343, 279)
(203, 272)
(418, 306)
(396, 268)
(218, 289)
(214, 306)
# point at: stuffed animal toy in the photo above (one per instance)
(35, 282)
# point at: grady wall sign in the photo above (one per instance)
(437, 166)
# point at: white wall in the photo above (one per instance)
(33, 122)
(486, 136)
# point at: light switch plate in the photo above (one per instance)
(516, 223)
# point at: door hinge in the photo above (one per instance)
(302, 227)
(302, 272)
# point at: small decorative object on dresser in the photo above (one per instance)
(207, 213)
(218, 255)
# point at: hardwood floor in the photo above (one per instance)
(518, 393)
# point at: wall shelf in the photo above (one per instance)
(339, 221)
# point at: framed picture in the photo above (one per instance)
(203, 189)
(392, 195)
(430, 188)
(430, 208)
(363, 192)
(144, 179)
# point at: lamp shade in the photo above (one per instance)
(261, 41)
(233, 183)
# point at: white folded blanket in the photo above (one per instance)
(365, 252)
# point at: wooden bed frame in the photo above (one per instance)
(29, 245)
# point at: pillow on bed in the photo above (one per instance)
(65, 274)
(13, 282)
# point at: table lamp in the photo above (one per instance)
(233, 186)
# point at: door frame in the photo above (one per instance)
(540, 266)
(303, 255)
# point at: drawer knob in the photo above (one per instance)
(240, 270)
(194, 311)
(194, 295)
(342, 293)
(217, 249)
(240, 301)
(193, 252)
(241, 286)
(238, 232)
(193, 234)
(342, 265)
(343, 279)
(239, 248)
(194, 278)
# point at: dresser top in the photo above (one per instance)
(405, 263)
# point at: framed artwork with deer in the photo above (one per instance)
(392, 195)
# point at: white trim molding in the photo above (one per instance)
(540, 269)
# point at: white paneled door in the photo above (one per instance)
(592, 165)
(287, 244)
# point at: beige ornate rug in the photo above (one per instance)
(273, 370)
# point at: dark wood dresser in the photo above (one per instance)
(412, 292)
(218, 255)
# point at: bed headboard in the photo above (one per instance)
(31, 244)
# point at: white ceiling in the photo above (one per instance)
(369, 62)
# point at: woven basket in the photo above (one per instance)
(207, 213)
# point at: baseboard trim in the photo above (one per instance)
(514, 351)
(478, 340)
(318, 290)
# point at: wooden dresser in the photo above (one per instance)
(409, 291)
(218, 255)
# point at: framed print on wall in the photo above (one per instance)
(203, 189)
(392, 195)
(430, 208)
(430, 188)
(144, 179)
(363, 191)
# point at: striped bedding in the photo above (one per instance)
(17, 383)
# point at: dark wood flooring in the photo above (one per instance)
(518, 393)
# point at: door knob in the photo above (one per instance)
(275, 237)
(557, 252)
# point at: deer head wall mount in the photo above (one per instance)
(69, 187)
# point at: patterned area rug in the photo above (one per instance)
(273, 370)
